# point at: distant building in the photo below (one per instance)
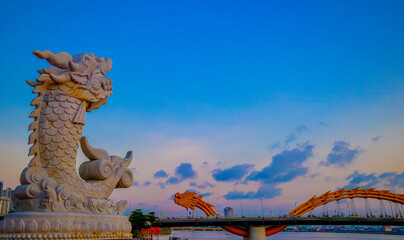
(4, 205)
(6, 193)
(6, 202)
(228, 212)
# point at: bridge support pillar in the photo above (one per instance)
(256, 233)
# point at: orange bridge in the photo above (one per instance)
(190, 200)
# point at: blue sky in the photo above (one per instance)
(201, 88)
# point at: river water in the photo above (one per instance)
(199, 235)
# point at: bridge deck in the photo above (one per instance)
(281, 222)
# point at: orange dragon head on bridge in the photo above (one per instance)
(191, 200)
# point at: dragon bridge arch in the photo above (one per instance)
(191, 200)
(343, 193)
(330, 196)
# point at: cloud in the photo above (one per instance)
(362, 180)
(395, 180)
(302, 128)
(388, 179)
(235, 173)
(321, 123)
(232, 195)
(147, 183)
(160, 174)
(173, 181)
(207, 194)
(265, 192)
(291, 137)
(285, 166)
(185, 171)
(268, 191)
(276, 145)
(192, 190)
(171, 197)
(182, 172)
(377, 138)
(341, 154)
(329, 179)
(205, 185)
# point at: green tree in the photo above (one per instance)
(151, 217)
(140, 220)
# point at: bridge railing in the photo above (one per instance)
(274, 218)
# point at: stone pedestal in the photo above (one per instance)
(61, 225)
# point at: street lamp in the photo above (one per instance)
(262, 208)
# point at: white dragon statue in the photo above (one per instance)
(67, 90)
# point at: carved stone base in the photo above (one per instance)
(57, 225)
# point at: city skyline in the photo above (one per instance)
(239, 102)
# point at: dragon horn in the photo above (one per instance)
(129, 156)
(59, 60)
(62, 78)
(32, 84)
(74, 67)
(93, 153)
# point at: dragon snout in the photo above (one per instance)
(106, 84)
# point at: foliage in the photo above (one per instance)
(140, 220)
(151, 217)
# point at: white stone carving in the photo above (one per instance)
(53, 198)
(40, 224)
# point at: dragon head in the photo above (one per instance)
(187, 199)
(191, 200)
(82, 75)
